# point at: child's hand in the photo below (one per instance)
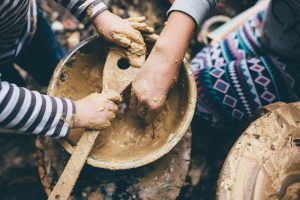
(152, 84)
(96, 111)
(154, 80)
(126, 33)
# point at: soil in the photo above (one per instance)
(18, 172)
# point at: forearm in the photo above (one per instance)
(27, 111)
(171, 46)
(152, 84)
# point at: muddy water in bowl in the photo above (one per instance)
(128, 143)
(130, 137)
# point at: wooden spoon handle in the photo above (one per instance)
(67, 180)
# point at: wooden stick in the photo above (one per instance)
(67, 180)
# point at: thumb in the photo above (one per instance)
(113, 96)
(121, 39)
(135, 60)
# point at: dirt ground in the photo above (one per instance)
(18, 171)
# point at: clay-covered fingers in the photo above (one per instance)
(136, 52)
(127, 37)
(139, 23)
(142, 27)
(125, 33)
(137, 106)
(106, 117)
(112, 96)
(130, 38)
(135, 37)
(136, 19)
(97, 110)
(145, 105)
(135, 60)
(109, 112)
(110, 116)
(151, 37)
(121, 39)
(149, 107)
(112, 107)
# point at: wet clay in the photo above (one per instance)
(129, 139)
(130, 37)
(135, 50)
(265, 163)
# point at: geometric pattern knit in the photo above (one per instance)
(237, 76)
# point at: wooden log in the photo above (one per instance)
(162, 179)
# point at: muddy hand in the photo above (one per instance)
(154, 80)
(139, 23)
(126, 33)
(97, 110)
(144, 103)
(150, 89)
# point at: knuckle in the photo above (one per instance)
(154, 106)
(106, 125)
(134, 85)
(111, 119)
(143, 24)
(115, 108)
(143, 98)
(119, 97)
(115, 93)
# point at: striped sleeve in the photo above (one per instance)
(32, 112)
(84, 10)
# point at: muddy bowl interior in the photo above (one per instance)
(129, 142)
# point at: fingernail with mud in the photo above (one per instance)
(136, 61)
(121, 39)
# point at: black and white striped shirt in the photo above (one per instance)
(18, 22)
(29, 111)
(26, 110)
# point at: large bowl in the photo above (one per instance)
(80, 74)
(264, 163)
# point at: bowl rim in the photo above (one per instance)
(149, 158)
(232, 159)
